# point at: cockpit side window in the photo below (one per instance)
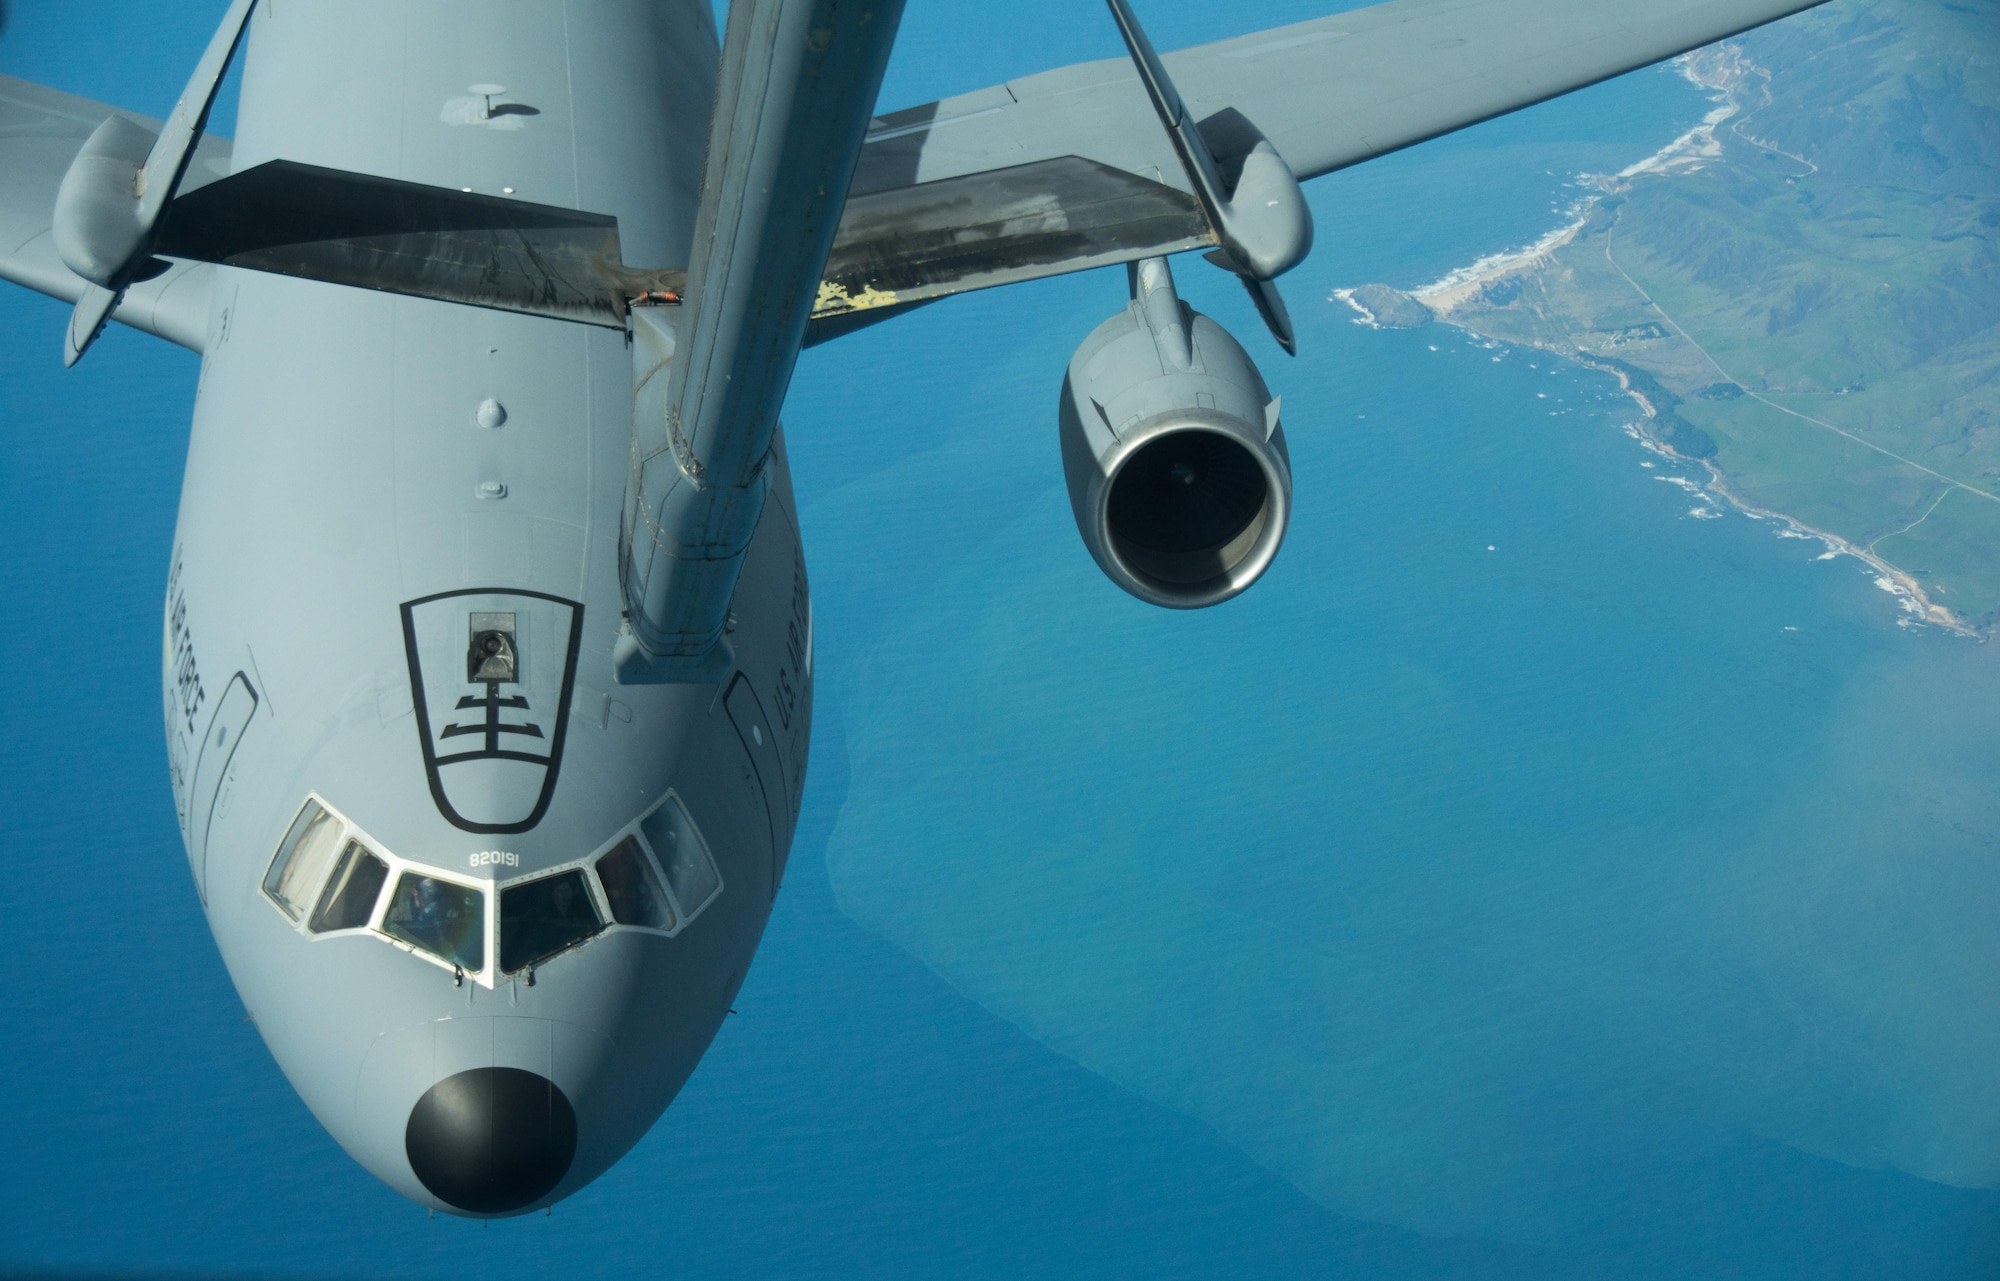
(691, 873)
(543, 917)
(349, 898)
(632, 887)
(440, 917)
(302, 860)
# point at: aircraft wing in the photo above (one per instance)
(40, 131)
(1054, 173)
(1071, 168)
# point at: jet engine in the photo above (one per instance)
(1177, 469)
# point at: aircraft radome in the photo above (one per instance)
(487, 641)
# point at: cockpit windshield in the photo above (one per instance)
(633, 888)
(690, 868)
(351, 891)
(440, 917)
(330, 877)
(296, 873)
(543, 917)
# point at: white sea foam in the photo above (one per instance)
(1651, 446)
(1690, 151)
(1367, 317)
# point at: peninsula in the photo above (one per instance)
(1801, 294)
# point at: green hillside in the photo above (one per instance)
(1819, 301)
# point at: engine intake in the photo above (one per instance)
(1178, 474)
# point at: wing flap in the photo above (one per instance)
(407, 238)
(915, 243)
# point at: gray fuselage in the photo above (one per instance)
(371, 480)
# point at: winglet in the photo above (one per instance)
(93, 310)
(1264, 226)
(114, 196)
(168, 163)
(1270, 305)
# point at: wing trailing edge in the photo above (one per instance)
(1059, 172)
(894, 248)
(420, 241)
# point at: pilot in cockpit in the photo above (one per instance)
(431, 914)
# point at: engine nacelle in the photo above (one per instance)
(1178, 474)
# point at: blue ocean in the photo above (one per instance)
(1531, 878)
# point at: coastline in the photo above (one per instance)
(1726, 73)
(1721, 71)
(1916, 604)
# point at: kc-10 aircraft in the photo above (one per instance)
(487, 642)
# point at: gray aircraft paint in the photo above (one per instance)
(373, 479)
(335, 474)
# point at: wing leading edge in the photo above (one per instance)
(1327, 94)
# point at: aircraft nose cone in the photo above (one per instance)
(492, 1139)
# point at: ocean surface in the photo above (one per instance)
(1541, 874)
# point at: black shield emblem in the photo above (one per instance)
(491, 673)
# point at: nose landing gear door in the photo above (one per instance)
(746, 712)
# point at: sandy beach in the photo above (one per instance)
(1732, 79)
